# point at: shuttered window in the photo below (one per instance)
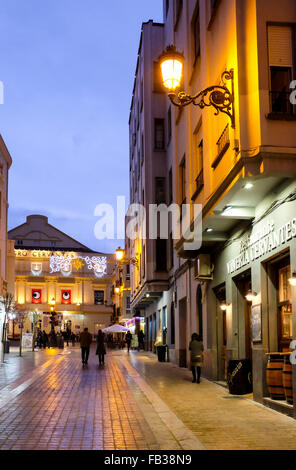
(280, 46)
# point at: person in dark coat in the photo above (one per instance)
(128, 340)
(85, 342)
(101, 350)
(141, 337)
(196, 349)
(45, 339)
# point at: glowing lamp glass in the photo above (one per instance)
(223, 307)
(292, 280)
(171, 70)
(117, 290)
(119, 254)
(251, 296)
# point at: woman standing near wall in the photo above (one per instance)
(196, 348)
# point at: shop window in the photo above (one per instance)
(281, 65)
(284, 308)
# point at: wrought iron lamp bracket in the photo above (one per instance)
(218, 96)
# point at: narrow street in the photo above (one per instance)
(48, 401)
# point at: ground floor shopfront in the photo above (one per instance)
(252, 284)
(249, 308)
(76, 322)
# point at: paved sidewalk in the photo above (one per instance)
(48, 401)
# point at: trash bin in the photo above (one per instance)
(161, 351)
(6, 347)
(239, 377)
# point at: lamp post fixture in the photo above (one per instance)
(218, 96)
(120, 256)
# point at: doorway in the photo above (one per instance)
(244, 307)
(182, 332)
(221, 328)
(199, 311)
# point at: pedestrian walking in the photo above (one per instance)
(85, 342)
(68, 336)
(44, 339)
(101, 350)
(141, 337)
(73, 339)
(196, 349)
(128, 340)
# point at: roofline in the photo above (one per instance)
(84, 247)
(5, 152)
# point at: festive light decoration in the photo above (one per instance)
(36, 269)
(64, 264)
(78, 264)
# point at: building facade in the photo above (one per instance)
(243, 174)
(53, 272)
(5, 164)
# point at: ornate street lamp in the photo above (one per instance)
(218, 96)
(120, 256)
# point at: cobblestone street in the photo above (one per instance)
(48, 401)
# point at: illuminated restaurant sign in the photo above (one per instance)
(262, 242)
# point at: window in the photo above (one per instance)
(213, 8)
(182, 170)
(142, 94)
(281, 64)
(172, 323)
(198, 164)
(169, 124)
(128, 304)
(223, 145)
(20, 242)
(127, 271)
(161, 254)
(160, 196)
(167, 6)
(178, 6)
(142, 149)
(159, 134)
(284, 307)
(144, 262)
(171, 251)
(196, 36)
(157, 79)
(99, 297)
(170, 186)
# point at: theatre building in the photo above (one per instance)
(54, 272)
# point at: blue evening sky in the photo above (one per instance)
(68, 68)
